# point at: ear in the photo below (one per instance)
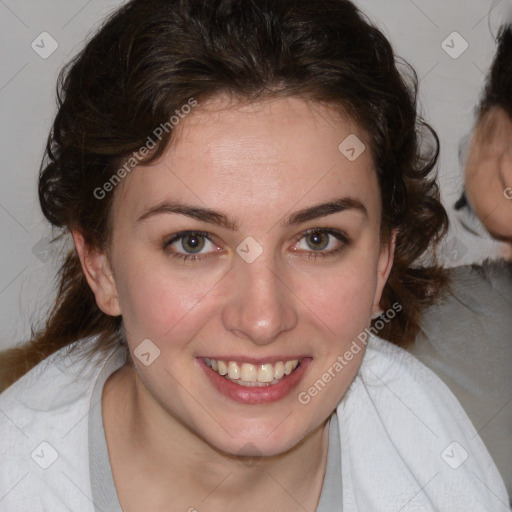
(384, 265)
(96, 267)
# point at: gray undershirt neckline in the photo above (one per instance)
(103, 489)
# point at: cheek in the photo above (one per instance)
(340, 309)
(341, 298)
(155, 302)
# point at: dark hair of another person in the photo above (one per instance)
(498, 87)
(151, 56)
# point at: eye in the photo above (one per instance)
(190, 245)
(321, 242)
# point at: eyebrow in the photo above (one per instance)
(321, 210)
(203, 214)
(213, 217)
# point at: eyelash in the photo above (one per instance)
(180, 236)
(339, 235)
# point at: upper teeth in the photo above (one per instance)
(264, 373)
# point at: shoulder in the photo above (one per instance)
(396, 377)
(57, 381)
(44, 428)
(400, 425)
(387, 368)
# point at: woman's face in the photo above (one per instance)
(280, 261)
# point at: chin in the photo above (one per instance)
(265, 442)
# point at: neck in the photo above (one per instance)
(180, 463)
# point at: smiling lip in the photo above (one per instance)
(255, 395)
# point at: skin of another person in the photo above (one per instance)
(488, 173)
(172, 436)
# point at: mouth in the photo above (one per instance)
(253, 375)
(251, 383)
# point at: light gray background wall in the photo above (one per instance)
(449, 89)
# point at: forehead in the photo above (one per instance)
(272, 153)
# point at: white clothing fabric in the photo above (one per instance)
(406, 443)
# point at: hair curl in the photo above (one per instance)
(151, 56)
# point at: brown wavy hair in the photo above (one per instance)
(151, 56)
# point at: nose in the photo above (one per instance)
(260, 306)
